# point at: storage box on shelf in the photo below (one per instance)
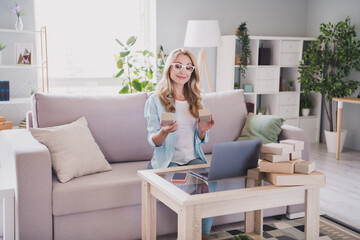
(271, 82)
(22, 77)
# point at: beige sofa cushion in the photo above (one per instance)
(73, 150)
(117, 188)
(116, 122)
(229, 111)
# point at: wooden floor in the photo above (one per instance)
(341, 196)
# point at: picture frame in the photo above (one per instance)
(23, 53)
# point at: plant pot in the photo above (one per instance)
(18, 24)
(0, 57)
(331, 140)
(305, 112)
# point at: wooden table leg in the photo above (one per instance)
(189, 224)
(339, 116)
(254, 219)
(148, 208)
(312, 214)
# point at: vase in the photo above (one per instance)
(331, 140)
(19, 25)
(305, 112)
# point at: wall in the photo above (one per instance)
(323, 11)
(263, 17)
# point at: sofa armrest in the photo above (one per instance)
(26, 165)
(290, 132)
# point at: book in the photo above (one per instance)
(7, 90)
(2, 91)
(264, 56)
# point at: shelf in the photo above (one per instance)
(248, 66)
(289, 92)
(312, 116)
(16, 101)
(17, 31)
(20, 66)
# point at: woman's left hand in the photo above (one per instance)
(204, 126)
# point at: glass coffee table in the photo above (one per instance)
(197, 199)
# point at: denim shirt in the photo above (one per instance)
(163, 154)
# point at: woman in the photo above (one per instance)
(178, 92)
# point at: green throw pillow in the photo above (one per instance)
(265, 127)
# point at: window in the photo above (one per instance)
(81, 41)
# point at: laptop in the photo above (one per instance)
(231, 159)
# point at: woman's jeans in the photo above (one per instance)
(206, 223)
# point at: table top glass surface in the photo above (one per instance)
(195, 185)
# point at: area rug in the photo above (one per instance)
(285, 229)
(276, 228)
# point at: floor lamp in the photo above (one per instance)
(203, 33)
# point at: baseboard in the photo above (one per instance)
(295, 215)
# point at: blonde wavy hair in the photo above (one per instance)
(192, 90)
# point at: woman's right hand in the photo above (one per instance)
(169, 128)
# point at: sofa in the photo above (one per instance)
(105, 205)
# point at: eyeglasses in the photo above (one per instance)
(178, 67)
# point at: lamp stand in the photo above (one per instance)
(202, 58)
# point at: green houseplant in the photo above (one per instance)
(136, 68)
(242, 34)
(306, 105)
(327, 64)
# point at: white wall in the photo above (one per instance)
(264, 17)
(323, 11)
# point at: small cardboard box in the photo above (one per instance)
(305, 167)
(2, 119)
(275, 158)
(5, 125)
(254, 173)
(280, 167)
(281, 179)
(205, 115)
(276, 148)
(168, 118)
(297, 145)
(295, 155)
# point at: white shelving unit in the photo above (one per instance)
(285, 54)
(23, 77)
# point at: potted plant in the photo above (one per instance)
(291, 85)
(306, 105)
(135, 67)
(326, 67)
(2, 46)
(245, 52)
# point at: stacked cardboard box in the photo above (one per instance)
(283, 165)
(5, 124)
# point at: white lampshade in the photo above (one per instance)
(202, 33)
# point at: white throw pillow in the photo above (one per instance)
(73, 149)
